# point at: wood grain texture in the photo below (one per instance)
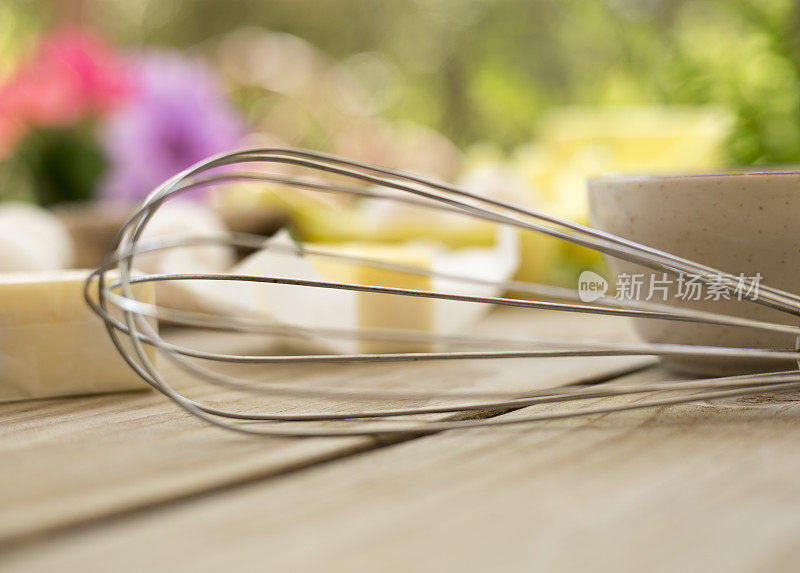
(72, 461)
(697, 487)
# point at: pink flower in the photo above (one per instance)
(72, 75)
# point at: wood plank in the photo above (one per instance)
(75, 460)
(696, 487)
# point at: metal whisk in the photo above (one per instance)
(131, 323)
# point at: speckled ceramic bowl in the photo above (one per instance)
(738, 222)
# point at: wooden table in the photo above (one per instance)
(128, 482)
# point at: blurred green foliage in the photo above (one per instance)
(489, 70)
(64, 164)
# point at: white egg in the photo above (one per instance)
(186, 220)
(33, 239)
(181, 220)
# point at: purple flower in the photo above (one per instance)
(177, 115)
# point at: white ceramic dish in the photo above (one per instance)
(743, 222)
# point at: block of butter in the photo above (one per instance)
(326, 315)
(52, 344)
(382, 311)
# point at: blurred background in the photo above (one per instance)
(101, 100)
